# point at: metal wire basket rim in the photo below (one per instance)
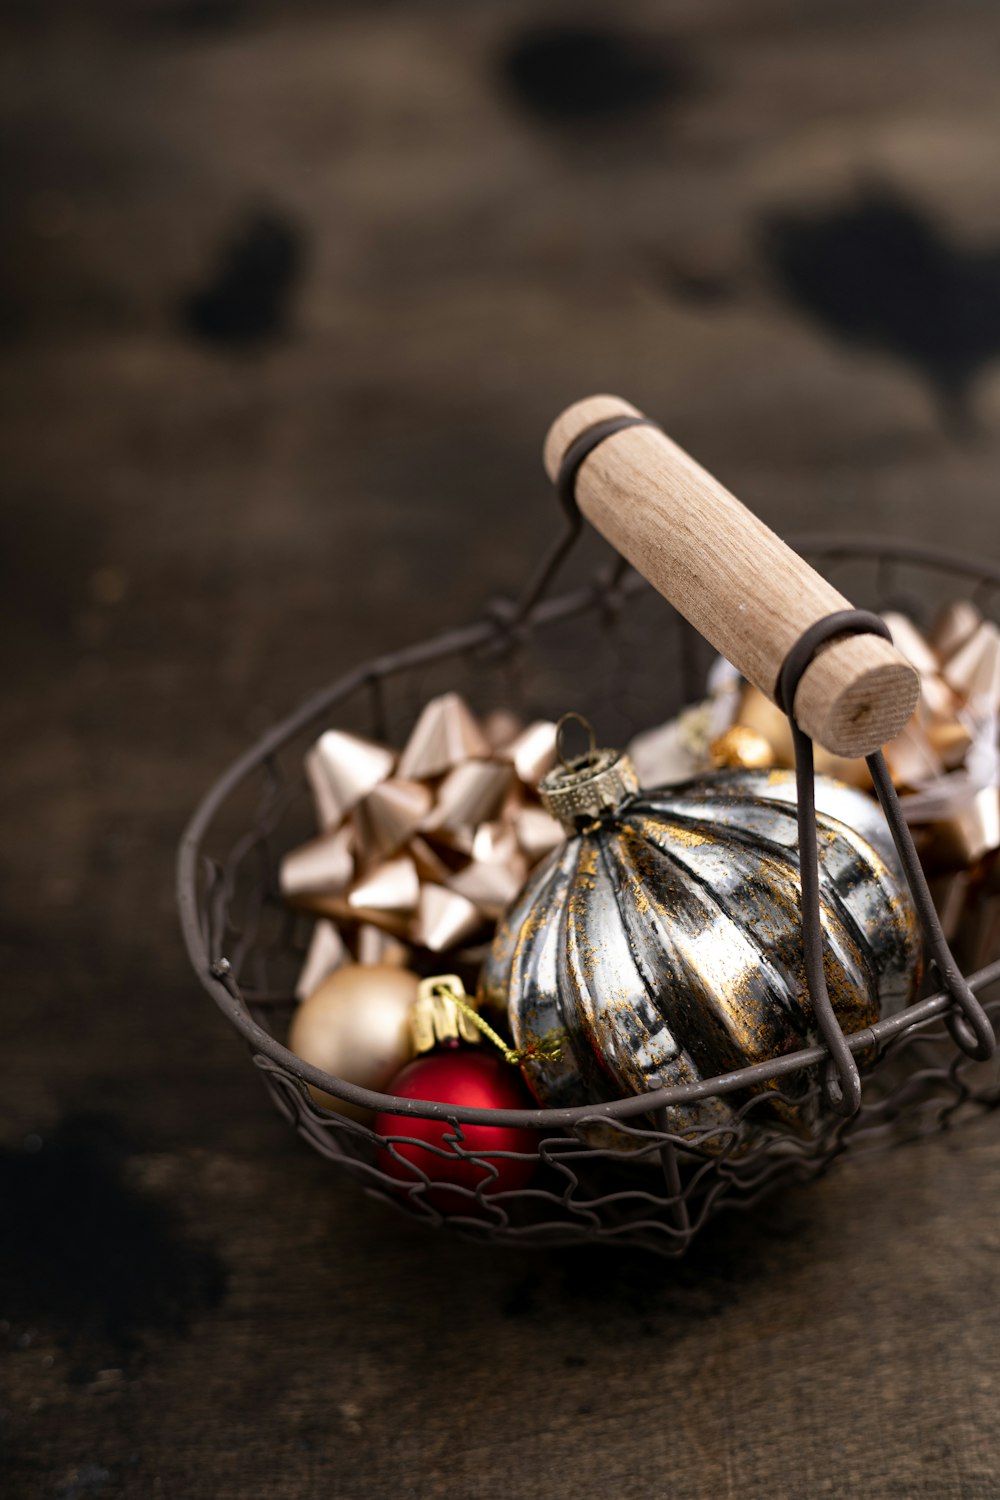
(724, 1083)
(221, 987)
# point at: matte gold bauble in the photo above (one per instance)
(356, 1025)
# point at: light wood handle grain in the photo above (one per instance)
(747, 592)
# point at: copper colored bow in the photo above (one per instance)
(423, 849)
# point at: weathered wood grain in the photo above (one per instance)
(743, 588)
(289, 295)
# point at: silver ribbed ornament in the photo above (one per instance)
(662, 940)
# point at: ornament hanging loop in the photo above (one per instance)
(572, 763)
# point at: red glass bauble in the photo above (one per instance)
(480, 1080)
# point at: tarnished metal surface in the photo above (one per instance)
(664, 941)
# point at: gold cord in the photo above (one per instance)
(548, 1049)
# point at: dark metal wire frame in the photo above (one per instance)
(215, 971)
(585, 1192)
(570, 467)
(968, 1022)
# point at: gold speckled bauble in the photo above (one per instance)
(741, 748)
(356, 1025)
(663, 940)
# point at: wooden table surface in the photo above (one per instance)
(289, 295)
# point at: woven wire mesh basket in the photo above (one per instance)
(614, 650)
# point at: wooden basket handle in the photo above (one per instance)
(748, 593)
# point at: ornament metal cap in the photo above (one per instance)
(436, 1019)
(586, 785)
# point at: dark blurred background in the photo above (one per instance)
(289, 293)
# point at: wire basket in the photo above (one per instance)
(611, 1172)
